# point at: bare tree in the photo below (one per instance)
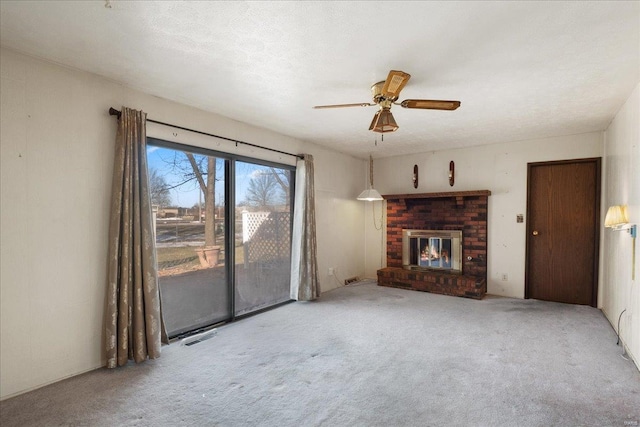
(262, 191)
(202, 170)
(208, 189)
(159, 190)
(283, 178)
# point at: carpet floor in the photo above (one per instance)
(365, 355)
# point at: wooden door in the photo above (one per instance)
(563, 211)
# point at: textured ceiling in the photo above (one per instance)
(521, 69)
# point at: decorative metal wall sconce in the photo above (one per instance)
(415, 176)
(452, 173)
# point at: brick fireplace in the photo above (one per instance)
(459, 210)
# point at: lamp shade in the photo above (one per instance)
(383, 121)
(616, 217)
(370, 195)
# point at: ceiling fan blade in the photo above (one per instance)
(396, 80)
(360, 104)
(430, 104)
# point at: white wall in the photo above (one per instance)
(622, 187)
(56, 146)
(500, 168)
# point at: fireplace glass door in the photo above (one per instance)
(432, 249)
(434, 252)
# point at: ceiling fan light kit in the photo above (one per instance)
(383, 121)
(385, 94)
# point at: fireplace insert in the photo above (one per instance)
(432, 250)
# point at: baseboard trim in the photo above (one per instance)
(35, 387)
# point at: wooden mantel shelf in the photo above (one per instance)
(437, 195)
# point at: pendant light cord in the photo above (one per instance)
(370, 171)
(373, 211)
(379, 229)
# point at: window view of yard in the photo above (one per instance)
(188, 193)
(177, 244)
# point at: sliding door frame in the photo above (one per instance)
(229, 209)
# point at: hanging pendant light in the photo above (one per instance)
(370, 194)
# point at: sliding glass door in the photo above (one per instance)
(216, 262)
(263, 231)
(188, 198)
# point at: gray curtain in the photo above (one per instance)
(133, 322)
(304, 262)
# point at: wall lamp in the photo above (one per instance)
(617, 219)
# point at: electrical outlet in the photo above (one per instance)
(504, 277)
(331, 271)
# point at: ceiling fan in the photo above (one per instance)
(385, 94)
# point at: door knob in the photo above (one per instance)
(535, 232)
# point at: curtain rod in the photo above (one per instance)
(114, 112)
